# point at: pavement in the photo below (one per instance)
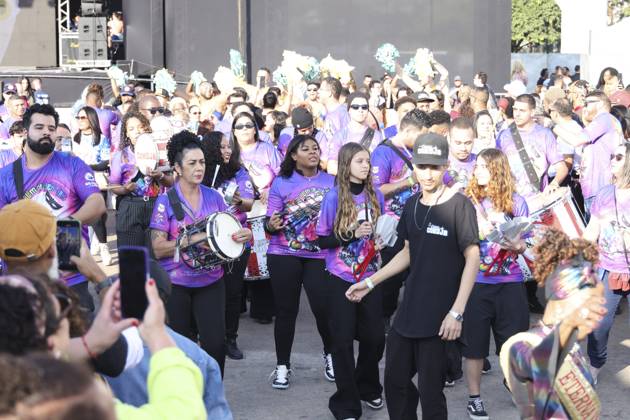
(251, 397)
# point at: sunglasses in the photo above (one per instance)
(618, 157)
(81, 117)
(247, 126)
(312, 89)
(155, 110)
(357, 107)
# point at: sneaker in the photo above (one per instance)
(329, 372)
(232, 351)
(280, 377)
(476, 410)
(449, 383)
(375, 404)
(594, 373)
(94, 246)
(106, 257)
(487, 367)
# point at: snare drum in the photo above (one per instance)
(257, 262)
(217, 246)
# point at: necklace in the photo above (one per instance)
(426, 216)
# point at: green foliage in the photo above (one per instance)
(535, 23)
(617, 10)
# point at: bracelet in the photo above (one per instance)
(105, 284)
(370, 283)
(87, 348)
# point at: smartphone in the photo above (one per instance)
(68, 243)
(261, 81)
(133, 263)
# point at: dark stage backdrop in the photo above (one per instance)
(465, 35)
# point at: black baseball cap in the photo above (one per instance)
(423, 97)
(301, 118)
(430, 149)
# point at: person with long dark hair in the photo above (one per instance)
(223, 172)
(94, 149)
(197, 301)
(294, 256)
(345, 228)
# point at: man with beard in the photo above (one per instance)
(59, 181)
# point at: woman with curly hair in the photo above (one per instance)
(345, 228)
(223, 171)
(498, 301)
(136, 192)
(197, 301)
(544, 367)
(610, 228)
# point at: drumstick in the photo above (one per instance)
(216, 172)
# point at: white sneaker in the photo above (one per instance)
(106, 257)
(594, 373)
(280, 377)
(94, 246)
(329, 372)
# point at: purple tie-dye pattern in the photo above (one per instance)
(605, 134)
(612, 231)
(262, 162)
(459, 170)
(387, 168)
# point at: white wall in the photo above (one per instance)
(534, 62)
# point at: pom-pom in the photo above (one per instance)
(163, 80)
(117, 75)
(236, 64)
(387, 54)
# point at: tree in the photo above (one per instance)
(535, 24)
(617, 10)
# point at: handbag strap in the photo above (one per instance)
(18, 178)
(533, 177)
(366, 140)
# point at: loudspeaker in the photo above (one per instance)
(92, 29)
(93, 50)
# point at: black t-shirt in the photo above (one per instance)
(436, 246)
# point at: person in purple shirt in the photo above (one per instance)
(106, 116)
(15, 143)
(226, 123)
(59, 181)
(197, 302)
(357, 130)
(393, 175)
(461, 161)
(9, 90)
(541, 147)
(336, 117)
(610, 228)
(302, 123)
(16, 108)
(225, 156)
(345, 228)
(498, 300)
(294, 256)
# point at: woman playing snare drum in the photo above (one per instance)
(198, 296)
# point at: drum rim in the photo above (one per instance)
(213, 243)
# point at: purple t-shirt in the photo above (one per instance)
(7, 156)
(62, 185)
(612, 231)
(301, 199)
(123, 170)
(286, 135)
(341, 260)
(5, 126)
(509, 271)
(245, 189)
(163, 219)
(107, 118)
(346, 135)
(335, 120)
(387, 168)
(262, 162)
(459, 172)
(542, 150)
(605, 135)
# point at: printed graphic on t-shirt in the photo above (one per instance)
(356, 252)
(301, 219)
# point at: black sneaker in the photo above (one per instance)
(476, 410)
(329, 372)
(375, 404)
(487, 367)
(232, 351)
(280, 377)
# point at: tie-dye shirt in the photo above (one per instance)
(335, 120)
(300, 199)
(163, 219)
(286, 135)
(62, 185)
(509, 271)
(387, 168)
(245, 190)
(459, 171)
(262, 162)
(612, 231)
(7, 156)
(123, 170)
(605, 135)
(342, 260)
(346, 135)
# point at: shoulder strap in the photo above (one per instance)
(18, 177)
(176, 204)
(533, 177)
(388, 143)
(366, 140)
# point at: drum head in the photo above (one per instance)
(147, 154)
(220, 229)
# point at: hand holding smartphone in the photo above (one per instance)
(68, 243)
(133, 263)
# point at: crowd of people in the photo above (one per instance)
(337, 187)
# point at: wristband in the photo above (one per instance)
(370, 283)
(105, 284)
(87, 348)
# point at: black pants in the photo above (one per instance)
(288, 273)
(233, 288)
(391, 288)
(100, 226)
(262, 304)
(200, 309)
(132, 221)
(362, 321)
(405, 358)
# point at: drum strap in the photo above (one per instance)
(366, 140)
(533, 177)
(178, 209)
(18, 178)
(388, 143)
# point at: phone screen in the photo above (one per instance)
(68, 243)
(134, 266)
(261, 81)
